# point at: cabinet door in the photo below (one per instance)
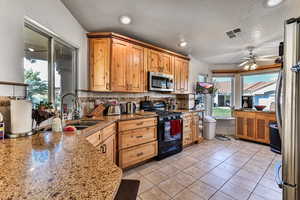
(185, 76)
(108, 148)
(167, 63)
(177, 74)
(135, 70)
(240, 127)
(120, 61)
(196, 130)
(99, 54)
(262, 127)
(154, 61)
(250, 128)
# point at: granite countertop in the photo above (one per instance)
(188, 111)
(253, 110)
(60, 165)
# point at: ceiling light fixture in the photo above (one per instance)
(253, 66)
(125, 19)
(31, 49)
(273, 3)
(246, 67)
(182, 44)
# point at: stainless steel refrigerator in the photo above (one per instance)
(288, 112)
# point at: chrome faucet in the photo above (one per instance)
(76, 108)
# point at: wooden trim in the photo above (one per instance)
(13, 83)
(134, 41)
(237, 71)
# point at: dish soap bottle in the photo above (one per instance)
(56, 124)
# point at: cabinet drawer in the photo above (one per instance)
(136, 124)
(138, 136)
(137, 154)
(94, 139)
(187, 126)
(108, 131)
(187, 138)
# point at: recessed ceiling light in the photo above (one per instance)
(273, 3)
(31, 49)
(182, 44)
(125, 19)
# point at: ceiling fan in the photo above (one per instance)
(250, 62)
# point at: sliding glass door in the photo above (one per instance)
(49, 67)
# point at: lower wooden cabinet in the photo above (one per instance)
(254, 126)
(105, 141)
(190, 128)
(137, 154)
(108, 148)
(137, 141)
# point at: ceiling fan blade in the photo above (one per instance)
(268, 56)
(243, 63)
(265, 59)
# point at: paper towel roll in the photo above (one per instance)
(21, 119)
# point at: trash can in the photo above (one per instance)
(209, 128)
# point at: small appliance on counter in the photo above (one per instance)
(21, 118)
(247, 102)
(130, 108)
(113, 109)
(2, 127)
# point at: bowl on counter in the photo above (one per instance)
(260, 108)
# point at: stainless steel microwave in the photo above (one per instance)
(161, 82)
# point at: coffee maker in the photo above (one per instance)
(247, 102)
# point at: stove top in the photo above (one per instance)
(166, 113)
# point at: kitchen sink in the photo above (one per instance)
(83, 124)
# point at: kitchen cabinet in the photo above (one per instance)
(120, 64)
(99, 53)
(191, 129)
(105, 141)
(136, 69)
(181, 74)
(253, 126)
(160, 62)
(108, 148)
(137, 141)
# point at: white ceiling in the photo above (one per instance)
(202, 23)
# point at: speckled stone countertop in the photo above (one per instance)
(258, 111)
(59, 165)
(188, 111)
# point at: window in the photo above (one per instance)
(261, 87)
(49, 67)
(201, 98)
(222, 98)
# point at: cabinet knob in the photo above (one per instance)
(139, 136)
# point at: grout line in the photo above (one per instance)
(252, 192)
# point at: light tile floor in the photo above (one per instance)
(215, 170)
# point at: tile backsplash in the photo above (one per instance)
(88, 98)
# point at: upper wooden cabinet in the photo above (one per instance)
(181, 75)
(160, 62)
(99, 63)
(120, 64)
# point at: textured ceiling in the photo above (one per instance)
(202, 23)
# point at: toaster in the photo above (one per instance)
(113, 110)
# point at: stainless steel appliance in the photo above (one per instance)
(130, 108)
(288, 112)
(113, 110)
(160, 82)
(167, 144)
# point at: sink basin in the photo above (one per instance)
(84, 124)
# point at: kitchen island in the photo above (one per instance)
(254, 125)
(60, 165)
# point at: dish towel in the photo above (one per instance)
(175, 127)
